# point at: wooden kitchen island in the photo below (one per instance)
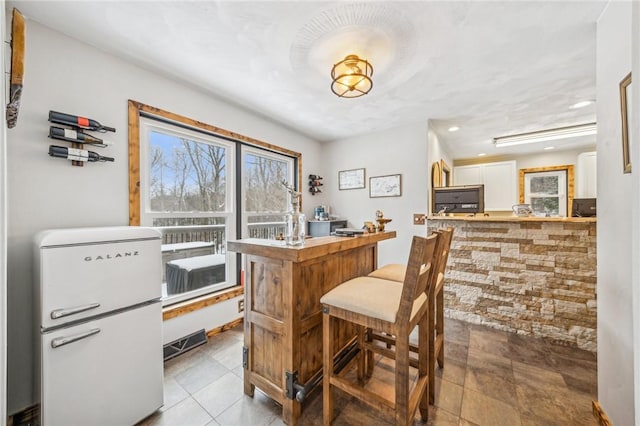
(283, 315)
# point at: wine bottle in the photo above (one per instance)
(76, 136)
(76, 154)
(77, 121)
(315, 183)
(315, 177)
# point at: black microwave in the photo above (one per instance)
(458, 199)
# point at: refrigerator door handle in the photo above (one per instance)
(59, 313)
(61, 341)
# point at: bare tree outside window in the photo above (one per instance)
(185, 175)
(265, 199)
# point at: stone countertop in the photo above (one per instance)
(515, 219)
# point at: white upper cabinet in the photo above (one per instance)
(586, 175)
(467, 175)
(499, 179)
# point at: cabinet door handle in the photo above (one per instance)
(59, 313)
(61, 341)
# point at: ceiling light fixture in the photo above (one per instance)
(546, 135)
(454, 128)
(482, 154)
(351, 77)
(547, 148)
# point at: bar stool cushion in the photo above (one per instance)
(369, 296)
(392, 271)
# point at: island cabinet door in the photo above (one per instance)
(264, 325)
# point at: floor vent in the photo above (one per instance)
(184, 344)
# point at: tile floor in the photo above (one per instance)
(490, 378)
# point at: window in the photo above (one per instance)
(200, 186)
(265, 200)
(548, 189)
(186, 185)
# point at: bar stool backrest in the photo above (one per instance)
(418, 277)
(442, 250)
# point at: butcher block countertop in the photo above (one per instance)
(312, 248)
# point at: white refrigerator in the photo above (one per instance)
(100, 325)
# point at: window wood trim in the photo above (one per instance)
(570, 181)
(136, 108)
(202, 302)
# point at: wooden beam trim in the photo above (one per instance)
(134, 164)
(212, 129)
(225, 327)
(200, 303)
(600, 415)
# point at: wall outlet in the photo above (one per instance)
(418, 218)
(240, 305)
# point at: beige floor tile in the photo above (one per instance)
(220, 394)
(186, 413)
(456, 352)
(440, 417)
(448, 396)
(453, 371)
(231, 356)
(525, 373)
(456, 331)
(173, 393)
(490, 378)
(200, 374)
(257, 411)
(485, 411)
(492, 382)
(487, 342)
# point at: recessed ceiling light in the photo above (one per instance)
(581, 104)
(454, 128)
(549, 147)
(482, 154)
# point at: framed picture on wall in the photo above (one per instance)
(385, 186)
(351, 179)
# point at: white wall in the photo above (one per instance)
(401, 150)
(635, 209)
(66, 75)
(615, 319)
(3, 233)
(549, 158)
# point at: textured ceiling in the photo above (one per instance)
(492, 68)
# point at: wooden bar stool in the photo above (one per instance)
(436, 317)
(396, 272)
(384, 306)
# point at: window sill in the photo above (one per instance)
(202, 302)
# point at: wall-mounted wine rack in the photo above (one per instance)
(76, 133)
(315, 182)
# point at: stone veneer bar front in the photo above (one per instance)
(532, 276)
